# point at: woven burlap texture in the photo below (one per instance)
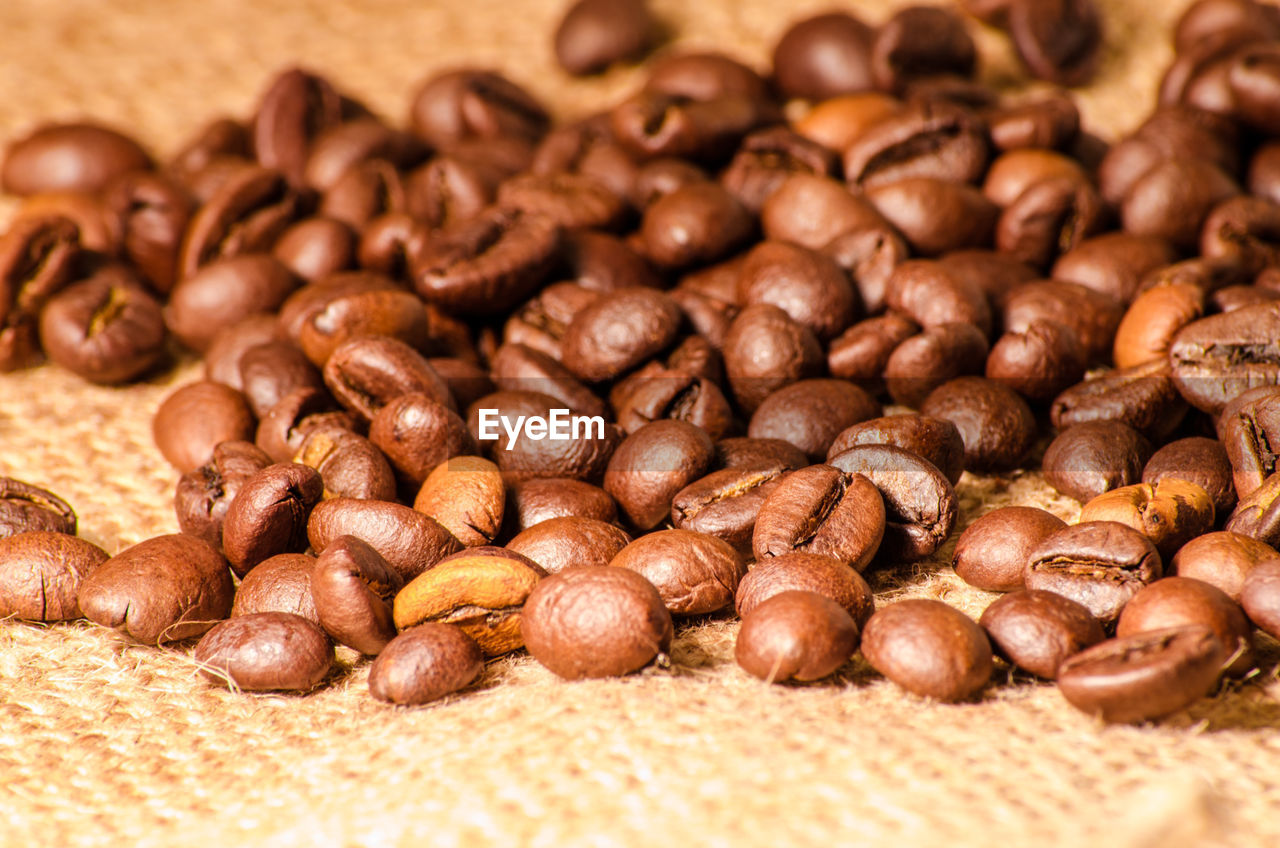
(104, 742)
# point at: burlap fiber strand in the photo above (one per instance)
(102, 742)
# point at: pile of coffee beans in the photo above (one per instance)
(482, 384)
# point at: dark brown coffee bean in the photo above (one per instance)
(268, 516)
(811, 413)
(1257, 515)
(741, 452)
(824, 56)
(353, 587)
(593, 34)
(246, 214)
(1059, 41)
(296, 108)
(1143, 677)
(153, 211)
(1091, 316)
(767, 159)
(1143, 397)
(266, 651)
(926, 361)
(995, 423)
(924, 140)
(1049, 218)
(41, 573)
(936, 216)
(929, 649)
(704, 75)
(919, 502)
(1213, 18)
(36, 260)
(766, 350)
(486, 264)
(409, 541)
(541, 323)
(398, 314)
(1186, 602)
(195, 418)
(1197, 460)
(808, 573)
(1038, 362)
(349, 464)
(869, 256)
(569, 541)
(271, 371)
(928, 294)
(165, 589)
(659, 177)
(1170, 513)
(1100, 564)
(1249, 429)
(1243, 231)
(571, 201)
(467, 380)
(595, 621)
(530, 502)
(204, 493)
(811, 210)
(695, 224)
(992, 551)
(69, 157)
(921, 41)
(281, 583)
(368, 372)
(1114, 263)
(1173, 199)
(931, 438)
(1038, 631)
(316, 247)
(303, 305)
(224, 293)
(795, 636)
(693, 572)
(1260, 596)
(284, 429)
(808, 286)
(1218, 357)
(25, 508)
(456, 106)
(861, 352)
(1047, 122)
(1093, 457)
(425, 663)
(618, 332)
(821, 510)
(666, 393)
(220, 139)
(1223, 559)
(654, 463)
(725, 503)
(416, 434)
(343, 147)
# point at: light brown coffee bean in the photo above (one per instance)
(467, 496)
(694, 573)
(41, 573)
(795, 636)
(424, 664)
(266, 651)
(281, 583)
(929, 649)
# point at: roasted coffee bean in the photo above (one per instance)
(456, 106)
(273, 370)
(390, 312)
(934, 439)
(316, 247)
(741, 452)
(654, 463)
(869, 256)
(69, 157)
(923, 140)
(1153, 319)
(659, 177)
(1143, 677)
(1060, 41)
(1257, 515)
(541, 323)
(1012, 174)
(1248, 429)
(281, 583)
(704, 76)
(409, 541)
(666, 393)
(1186, 602)
(1231, 298)
(824, 56)
(593, 34)
(596, 622)
(530, 502)
(1223, 559)
(695, 224)
(811, 210)
(725, 503)
(1092, 316)
(1170, 513)
(1243, 231)
(224, 293)
(936, 216)
(268, 516)
(694, 573)
(416, 434)
(1197, 460)
(1038, 362)
(204, 494)
(1173, 199)
(994, 422)
(810, 287)
(467, 380)
(811, 413)
(1114, 264)
(25, 508)
(653, 124)
(992, 551)
(165, 589)
(1143, 397)
(571, 201)
(99, 229)
(808, 573)
(305, 303)
(344, 147)
(425, 663)
(570, 541)
(837, 122)
(924, 362)
(153, 212)
(618, 332)
(195, 418)
(368, 372)
(1211, 18)
(41, 572)
(266, 651)
(765, 350)
(921, 41)
(1038, 631)
(604, 263)
(1049, 218)
(821, 510)
(294, 110)
(349, 465)
(1047, 122)
(298, 414)
(919, 502)
(861, 352)
(522, 456)
(486, 264)
(1085, 460)
(246, 214)
(221, 138)
(1170, 132)
(929, 649)
(36, 260)
(1260, 596)
(795, 636)
(1100, 564)
(1218, 357)
(930, 295)
(467, 496)
(767, 159)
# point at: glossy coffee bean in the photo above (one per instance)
(464, 104)
(425, 663)
(1153, 319)
(467, 496)
(1037, 362)
(994, 422)
(244, 215)
(1048, 218)
(821, 510)
(165, 589)
(197, 417)
(204, 494)
(1257, 515)
(225, 293)
(25, 508)
(695, 224)
(740, 452)
(350, 465)
(271, 371)
(517, 367)
(266, 651)
(930, 295)
(1260, 596)
(595, 621)
(929, 359)
(1223, 559)
(315, 247)
(934, 439)
(1060, 41)
(694, 573)
(390, 312)
(767, 159)
(283, 430)
(281, 583)
(839, 121)
(1100, 564)
(654, 463)
(1039, 631)
(726, 503)
(268, 516)
(69, 157)
(1114, 263)
(1143, 397)
(810, 210)
(810, 287)
(824, 56)
(1197, 460)
(1186, 602)
(808, 573)
(368, 372)
(416, 434)
(41, 572)
(1143, 677)
(1218, 357)
(569, 541)
(929, 649)
(795, 636)
(921, 41)
(766, 350)
(618, 332)
(1048, 122)
(530, 502)
(861, 352)
(811, 413)
(936, 216)
(1170, 513)
(992, 552)
(1091, 316)
(1249, 426)
(409, 541)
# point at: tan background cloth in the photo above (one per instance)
(105, 742)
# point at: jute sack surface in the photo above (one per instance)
(104, 742)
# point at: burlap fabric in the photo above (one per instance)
(103, 742)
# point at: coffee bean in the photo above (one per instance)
(1242, 230)
(25, 508)
(1060, 41)
(994, 422)
(368, 372)
(933, 439)
(1208, 18)
(928, 294)
(1143, 677)
(992, 552)
(1100, 564)
(349, 465)
(869, 255)
(204, 494)
(165, 589)
(268, 516)
(281, 583)
(1223, 559)
(811, 413)
(1173, 199)
(921, 41)
(693, 225)
(271, 371)
(1153, 319)
(659, 177)
(1197, 460)
(821, 510)
(409, 541)
(824, 56)
(300, 307)
(919, 502)
(1048, 122)
(1092, 316)
(929, 649)
(153, 211)
(608, 337)
(1013, 173)
(593, 34)
(1260, 596)
(811, 210)
(1218, 357)
(654, 463)
(924, 362)
(314, 248)
(1170, 513)
(605, 263)
(570, 541)
(767, 159)
(936, 216)
(266, 651)
(220, 139)
(41, 572)
(1087, 459)
(704, 76)
(467, 381)
(1186, 602)
(1257, 515)
(1248, 429)
(530, 502)
(343, 147)
(296, 108)
(283, 430)
(390, 312)
(1114, 263)
(1050, 217)
(694, 573)
(741, 452)
(1143, 397)
(246, 214)
(1038, 362)
(195, 418)
(541, 323)
(584, 458)
(69, 157)
(571, 201)
(810, 287)
(596, 621)
(726, 503)
(656, 393)
(837, 122)
(466, 495)
(455, 106)
(36, 260)
(861, 352)
(795, 636)
(223, 293)
(1038, 631)
(766, 350)
(806, 572)
(416, 434)
(425, 663)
